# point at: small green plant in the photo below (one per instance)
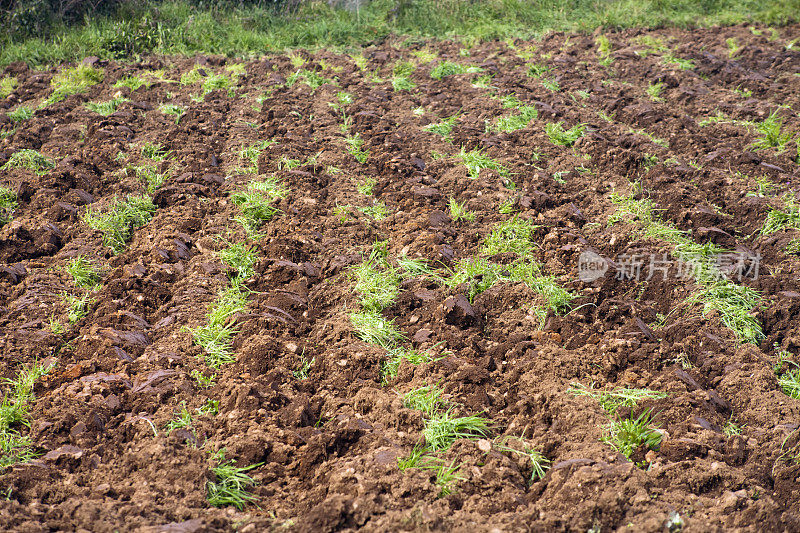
(155, 151)
(442, 429)
(77, 307)
(239, 258)
(514, 122)
(402, 73)
(397, 355)
(366, 186)
(309, 77)
(377, 283)
(231, 485)
(448, 68)
(107, 107)
(377, 211)
(355, 146)
(371, 327)
(654, 91)
(551, 84)
(83, 272)
(781, 219)
(427, 399)
(173, 109)
(14, 410)
(744, 93)
(31, 160)
(73, 81)
(120, 219)
(210, 407)
(8, 202)
(792, 248)
(305, 366)
(203, 380)
(216, 336)
(150, 175)
(683, 64)
(604, 50)
(255, 203)
(732, 428)
(443, 129)
(538, 70)
(628, 434)
(7, 86)
(56, 327)
(561, 137)
(21, 114)
(616, 398)
(539, 463)
(733, 47)
(131, 82)
(770, 129)
(476, 160)
(458, 212)
(182, 420)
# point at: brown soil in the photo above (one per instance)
(329, 444)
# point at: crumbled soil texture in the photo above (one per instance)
(327, 446)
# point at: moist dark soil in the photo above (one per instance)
(328, 445)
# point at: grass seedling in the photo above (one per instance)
(131, 82)
(118, 222)
(604, 50)
(629, 434)
(14, 409)
(443, 129)
(203, 380)
(443, 429)
(477, 272)
(538, 70)
(414, 268)
(155, 151)
(475, 161)
(8, 202)
(215, 337)
(21, 114)
(377, 211)
(377, 283)
(792, 248)
(366, 186)
(654, 91)
(401, 80)
(733, 304)
(446, 476)
(458, 212)
(483, 82)
(427, 399)
(398, 354)
(683, 64)
(512, 236)
(733, 47)
(107, 107)
(7, 86)
(182, 420)
(231, 486)
(373, 328)
(790, 383)
(30, 160)
(561, 137)
(355, 147)
(83, 273)
(72, 81)
(77, 307)
(616, 398)
(551, 84)
(539, 463)
(255, 203)
(309, 77)
(239, 258)
(448, 68)
(150, 175)
(770, 129)
(514, 122)
(172, 109)
(781, 219)
(305, 366)
(211, 407)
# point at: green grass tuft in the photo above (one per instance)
(448, 68)
(84, 273)
(443, 429)
(629, 434)
(31, 160)
(73, 81)
(559, 136)
(118, 222)
(107, 107)
(255, 203)
(21, 114)
(475, 161)
(231, 486)
(8, 202)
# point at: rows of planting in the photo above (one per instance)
(516, 156)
